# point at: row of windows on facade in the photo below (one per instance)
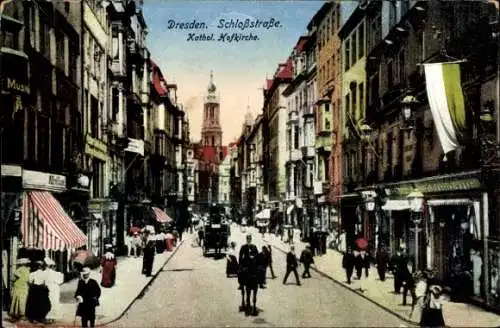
(303, 98)
(306, 175)
(354, 47)
(298, 133)
(329, 27)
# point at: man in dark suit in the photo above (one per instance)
(87, 295)
(291, 265)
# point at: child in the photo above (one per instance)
(232, 261)
(432, 315)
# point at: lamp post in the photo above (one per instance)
(416, 200)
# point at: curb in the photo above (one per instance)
(388, 310)
(143, 290)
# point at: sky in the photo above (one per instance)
(239, 68)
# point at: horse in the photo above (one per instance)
(248, 278)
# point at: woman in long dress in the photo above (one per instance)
(108, 263)
(20, 290)
(53, 281)
(38, 304)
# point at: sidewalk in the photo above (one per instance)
(130, 284)
(381, 293)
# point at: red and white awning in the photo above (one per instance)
(45, 224)
(161, 216)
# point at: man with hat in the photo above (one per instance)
(53, 280)
(306, 258)
(87, 295)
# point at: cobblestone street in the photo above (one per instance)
(193, 291)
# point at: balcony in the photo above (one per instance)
(308, 152)
(308, 110)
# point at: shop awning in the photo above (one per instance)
(449, 202)
(45, 224)
(161, 216)
(396, 205)
(289, 209)
(264, 214)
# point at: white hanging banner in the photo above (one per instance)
(446, 101)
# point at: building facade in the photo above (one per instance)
(298, 129)
(455, 230)
(326, 21)
(355, 151)
(275, 117)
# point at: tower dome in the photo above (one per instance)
(212, 96)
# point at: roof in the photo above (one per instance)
(351, 23)
(210, 154)
(158, 80)
(284, 71)
(301, 43)
(320, 14)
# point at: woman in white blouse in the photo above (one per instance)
(53, 281)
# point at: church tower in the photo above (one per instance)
(211, 131)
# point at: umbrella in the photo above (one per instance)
(85, 258)
(361, 243)
(134, 230)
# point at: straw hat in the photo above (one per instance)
(49, 261)
(23, 261)
(436, 290)
(85, 271)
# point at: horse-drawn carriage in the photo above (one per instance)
(216, 231)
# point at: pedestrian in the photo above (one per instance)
(269, 254)
(20, 289)
(421, 288)
(108, 263)
(148, 254)
(358, 264)
(348, 262)
(201, 235)
(53, 280)
(398, 261)
(382, 261)
(291, 265)
(137, 244)
(87, 295)
(365, 261)
(306, 259)
(232, 261)
(262, 263)
(38, 303)
(432, 314)
(407, 282)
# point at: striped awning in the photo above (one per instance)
(45, 224)
(161, 216)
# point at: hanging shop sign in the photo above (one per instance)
(96, 148)
(44, 181)
(135, 146)
(438, 185)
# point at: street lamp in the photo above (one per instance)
(416, 200)
(370, 205)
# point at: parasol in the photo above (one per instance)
(85, 258)
(361, 243)
(134, 230)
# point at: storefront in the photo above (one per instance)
(350, 216)
(46, 228)
(449, 236)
